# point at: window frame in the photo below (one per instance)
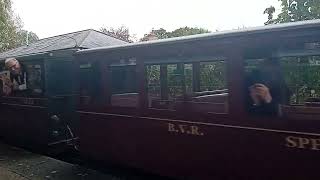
(195, 61)
(30, 99)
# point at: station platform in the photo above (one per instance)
(18, 164)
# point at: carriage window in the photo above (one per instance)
(124, 86)
(176, 80)
(86, 83)
(167, 84)
(35, 78)
(153, 80)
(197, 87)
(265, 87)
(212, 76)
(212, 95)
(123, 79)
(284, 86)
(302, 75)
(30, 83)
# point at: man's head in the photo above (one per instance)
(13, 65)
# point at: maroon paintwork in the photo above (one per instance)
(200, 136)
(23, 121)
(185, 142)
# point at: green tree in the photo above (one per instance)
(158, 33)
(121, 33)
(7, 26)
(11, 33)
(163, 34)
(294, 10)
(270, 11)
(301, 73)
(24, 36)
(186, 31)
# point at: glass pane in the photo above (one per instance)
(153, 80)
(212, 76)
(175, 81)
(123, 79)
(34, 82)
(302, 75)
(213, 94)
(86, 81)
(171, 87)
(124, 86)
(188, 78)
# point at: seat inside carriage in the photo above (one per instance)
(310, 110)
(125, 100)
(205, 101)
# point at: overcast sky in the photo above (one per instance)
(53, 17)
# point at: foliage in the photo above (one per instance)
(186, 31)
(7, 26)
(301, 73)
(11, 33)
(212, 76)
(294, 10)
(183, 31)
(121, 33)
(158, 34)
(270, 10)
(23, 36)
(175, 79)
(153, 79)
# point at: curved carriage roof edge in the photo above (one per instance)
(80, 39)
(221, 34)
(27, 55)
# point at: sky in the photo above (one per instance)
(53, 17)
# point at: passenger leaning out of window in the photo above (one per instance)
(267, 89)
(17, 74)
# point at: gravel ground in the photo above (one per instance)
(18, 164)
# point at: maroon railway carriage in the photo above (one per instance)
(178, 107)
(41, 117)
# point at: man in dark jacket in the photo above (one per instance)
(266, 89)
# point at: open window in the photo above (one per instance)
(32, 79)
(286, 85)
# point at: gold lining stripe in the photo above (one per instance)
(208, 124)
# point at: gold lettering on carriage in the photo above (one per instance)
(185, 129)
(303, 143)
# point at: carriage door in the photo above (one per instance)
(61, 102)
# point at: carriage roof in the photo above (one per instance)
(231, 34)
